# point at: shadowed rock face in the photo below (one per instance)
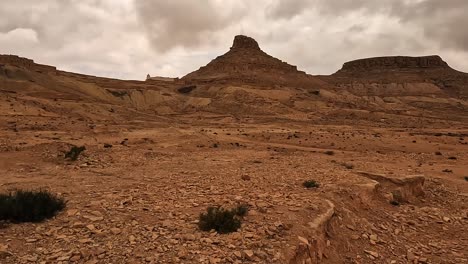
(395, 63)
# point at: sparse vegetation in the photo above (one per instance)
(314, 92)
(222, 220)
(310, 184)
(348, 166)
(118, 93)
(438, 153)
(466, 178)
(186, 89)
(241, 210)
(452, 158)
(74, 153)
(29, 206)
(394, 203)
(329, 152)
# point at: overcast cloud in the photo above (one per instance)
(130, 38)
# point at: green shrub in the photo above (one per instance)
(348, 166)
(241, 210)
(29, 206)
(310, 184)
(74, 153)
(222, 220)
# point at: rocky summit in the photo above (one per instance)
(246, 160)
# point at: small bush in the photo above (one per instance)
(74, 153)
(186, 89)
(241, 210)
(348, 166)
(438, 153)
(29, 206)
(222, 220)
(466, 178)
(310, 184)
(329, 152)
(394, 203)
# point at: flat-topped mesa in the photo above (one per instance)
(394, 63)
(244, 42)
(25, 63)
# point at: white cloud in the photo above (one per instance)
(19, 36)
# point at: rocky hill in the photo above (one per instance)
(246, 63)
(401, 76)
(399, 63)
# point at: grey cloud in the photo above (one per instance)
(442, 21)
(287, 9)
(439, 20)
(184, 23)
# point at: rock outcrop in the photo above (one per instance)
(400, 76)
(25, 63)
(246, 63)
(394, 63)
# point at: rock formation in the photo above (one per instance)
(399, 75)
(246, 63)
(395, 63)
(25, 63)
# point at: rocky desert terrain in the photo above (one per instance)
(386, 139)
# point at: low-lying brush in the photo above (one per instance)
(29, 206)
(310, 184)
(222, 220)
(74, 153)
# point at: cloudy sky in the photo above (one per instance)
(130, 38)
